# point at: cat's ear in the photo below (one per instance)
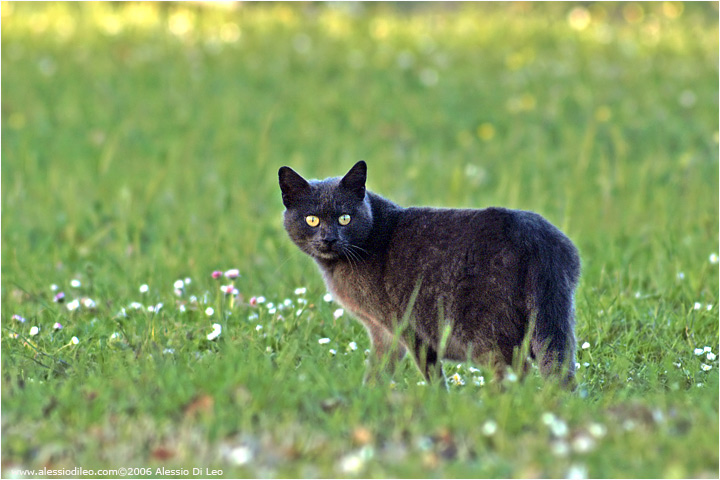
(292, 185)
(354, 180)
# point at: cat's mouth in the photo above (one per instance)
(327, 252)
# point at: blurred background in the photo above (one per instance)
(144, 139)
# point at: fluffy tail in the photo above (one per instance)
(554, 270)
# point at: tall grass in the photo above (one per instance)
(140, 145)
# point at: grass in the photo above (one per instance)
(140, 146)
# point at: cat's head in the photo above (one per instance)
(328, 219)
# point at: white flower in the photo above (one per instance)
(711, 356)
(713, 258)
(181, 308)
(136, 305)
(260, 299)
(75, 283)
(333, 351)
(597, 430)
(209, 311)
(300, 291)
(74, 305)
(456, 379)
(352, 346)
(144, 288)
(707, 349)
(328, 298)
(34, 331)
(323, 341)
(697, 306)
(680, 275)
(217, 330)
(698, 351)
(179, 285)
(258, 328)
(239, 455)
(338, 313)
(232, 273)
(585, 346)
(75, 340)
(489, 428)
(88, 302)
(57, 326)
(188, 280)
(705, 367)
(577, 472)
(54, 287)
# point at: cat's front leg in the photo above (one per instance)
(387, 351)
(427, 360)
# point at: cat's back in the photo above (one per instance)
(453, 242)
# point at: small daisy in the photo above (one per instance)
(352, 346)
(698, 351)
(713, 258)
(88, 302)
(300, 291)
(136, 305)
(338, 313)
(328, 298)
(697, 306)
(75, 283)
(489, 428)
(585, 346)
(179, 284)
(323, 341)
(232, 273)
(74, 305)
(456, 379)
(57, 326)
(217, 330)
(144, 288)
(75, 340)
(705, 367)
(711, 356)
(34, 331)
(209, 311)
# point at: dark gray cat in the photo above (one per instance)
(439, 283)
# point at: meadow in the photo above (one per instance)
(156, 316)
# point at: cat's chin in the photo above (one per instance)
(329, 255)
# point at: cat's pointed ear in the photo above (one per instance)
(292, 185)
(354, 180)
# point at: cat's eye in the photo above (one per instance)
(312, 220)
(344, 219)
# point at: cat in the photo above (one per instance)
(456, 284)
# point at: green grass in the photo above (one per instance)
(140, 145)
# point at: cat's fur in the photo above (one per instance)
(457, 283)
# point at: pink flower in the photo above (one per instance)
(59, 298)
(253, 301)
(217, 274)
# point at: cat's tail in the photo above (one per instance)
(553, 274)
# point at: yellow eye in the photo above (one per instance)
(344, 219)
(312, 220)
